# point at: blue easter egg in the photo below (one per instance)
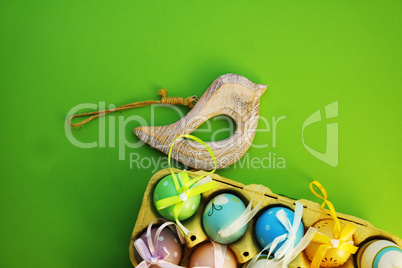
(268, 227)
(219, 213)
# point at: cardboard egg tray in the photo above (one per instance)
(247, 247)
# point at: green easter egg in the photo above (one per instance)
(164, 189)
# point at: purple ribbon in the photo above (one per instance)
(149, 253)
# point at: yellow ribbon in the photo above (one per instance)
(331, 211)
(183, 189)
(340, 238)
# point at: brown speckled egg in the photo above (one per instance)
(334, 257)
(204, 256)
(167, 239)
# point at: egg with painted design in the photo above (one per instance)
(268, 227)
(166, 188)
(221, 212)
(379, 254)
(333, 257)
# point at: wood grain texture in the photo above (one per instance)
(230, 94)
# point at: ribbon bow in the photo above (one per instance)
(291, 228)
(150, 254)
(340, 239)
(288, 251)
(186, 187)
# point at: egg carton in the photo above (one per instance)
(247, 247)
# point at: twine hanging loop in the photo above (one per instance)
(189, 101)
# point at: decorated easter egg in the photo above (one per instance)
(166, 240)
(379, 254)
(204, 256)
(221, 212)
(268, 227)
(334, 257)
(166, 188)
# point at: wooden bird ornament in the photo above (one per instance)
(230, 94)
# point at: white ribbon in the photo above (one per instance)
(288, 251)
(271, 246)
(289, 244)
(335, 243)
(245, 217)
(219, 255)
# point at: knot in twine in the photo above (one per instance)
(189, 101)
(164, 100)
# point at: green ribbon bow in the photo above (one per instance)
(198, 185)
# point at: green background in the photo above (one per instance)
(64, 206)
